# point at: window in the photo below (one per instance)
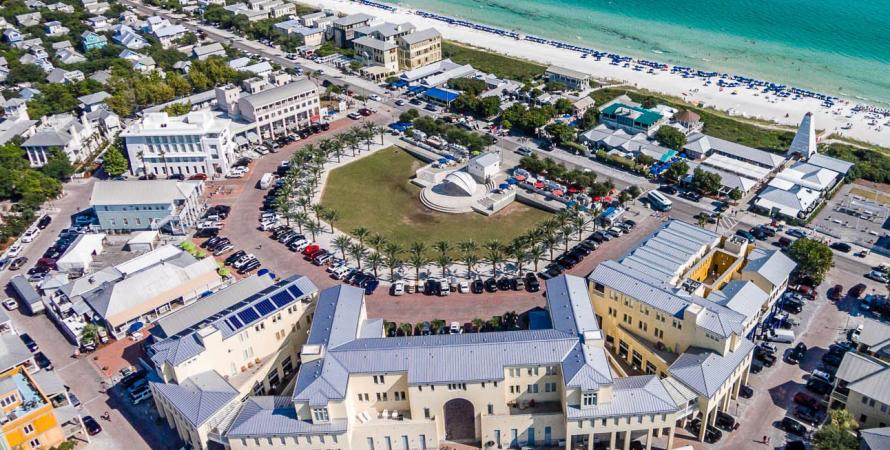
(34, 443)
(599, 287)
(320, 414)
(426, 413)
(381, 397)
(490, 409)
(457, 387)
(378, 379)
(28, 429)
(6, 401)
(549, 387)
(551, 370)
(588, 399)
(533, 389)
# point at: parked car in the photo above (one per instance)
(524, 151)
(794, 232)
(668, 189)
(712, 434)
(18, 263)
(878, 276)
(836, 293)
(792, 426)
(857, 291)
(477, 287)
(93, 427)
(842, 247)
(725, 421)
(746, 391)
(819, 386)
(802, 398)
(10, 304)
(531, 282)
(29, 342)
(809, 415)
(42, 361)
(44, 222)
(745, 234)
(491, 285)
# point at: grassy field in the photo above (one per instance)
(499, 65)
(375, 193)
(881, 197)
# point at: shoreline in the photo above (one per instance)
(738, 96)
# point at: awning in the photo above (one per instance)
(417, 89)
(442, 95)
(135, 326)
(503, 186)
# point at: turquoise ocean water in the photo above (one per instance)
(838, 47)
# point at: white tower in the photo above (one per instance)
(805, 140)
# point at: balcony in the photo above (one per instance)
(524, 407)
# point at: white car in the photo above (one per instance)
(340, 272)
(455, 328)
(398, 288)
(300, 245)
(30, 234)
(463, 287)
(376, 98)
(14, 251)
(10, 304)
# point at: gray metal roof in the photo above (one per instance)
(702, 143)
(276, 416)
(420, 36)
(837, 165)
(377, 44)
(92, 99)
(353, 19)
(568, 73)
(741, 296)
(199, 397)
(875, 438)
(875, 335)
(865, 375)
(772, 265)
(441, 359)
(141, 192)
(671, 246)
(24, 289)
(49, 382)
(12, 352)
(705, 371)
(279, 93)
(631, 396)
(208, 49)
(198, 312)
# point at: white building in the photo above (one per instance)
(147, 204)
(273, 111)
(485, 166)
(74, 136)
(196, 143)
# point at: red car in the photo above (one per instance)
(856, 291)
(311, 250)
(198, 176)
(836, 293)
(802, 398)
(807, 291)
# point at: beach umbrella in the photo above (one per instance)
(442, 160)
(596, 199)
(557, 192)
(608, 199)
(519, 177)
(511, 181)
(572, 189)
(539, 185)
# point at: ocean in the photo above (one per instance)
(832, 46)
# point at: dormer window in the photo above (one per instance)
(588, 398)
(320, 415)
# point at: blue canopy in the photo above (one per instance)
(416, 89)
(135, 326)
(511, 181)
(398, 83)
(262, 271)
(442, 95)
(450, 157)
(571, 203)
(503, 186)
(442, 160)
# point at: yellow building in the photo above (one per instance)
(681, 305)
(28, 421)
(420, 48)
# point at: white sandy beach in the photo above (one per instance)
(745, 102)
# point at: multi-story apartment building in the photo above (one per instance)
(419, 48)
(874, 339)
(861, 388)
(344, 28)
(275, 110)
(358, 389)
(135, 205)
(242, 340)
(681, 305)
(192, 144)
(27, 420)
(380, 57)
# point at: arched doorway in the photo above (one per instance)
(460, 421)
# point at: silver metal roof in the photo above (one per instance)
(420, 36)
(12, 352)
(705, 371)
(199, 397)
(635, 395)
(772, 265)
(276, 416)
(867, 376)
(279, 93)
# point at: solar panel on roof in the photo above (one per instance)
(282, 298)
(248, 315)
(265, 307)
(295, 291)
(235, 323)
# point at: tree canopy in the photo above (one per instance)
(113, 161)
(671, 137)
(677, 171)
(707, 182)
(813, 258)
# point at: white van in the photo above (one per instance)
(266, 180)
(784, 336)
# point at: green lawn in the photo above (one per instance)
(375, 193)
(499, 65)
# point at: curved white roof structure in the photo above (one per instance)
(463, 181)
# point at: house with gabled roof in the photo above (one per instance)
(90, 40)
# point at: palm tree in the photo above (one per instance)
(375, 260)
(371, 131)
(301, 219)
(468, 251)
(550, 240)
(495, 254)
(495, 323)
(418, 258)
(470, 259)
(361, 233)
(535, 253)
(478, 324)
(444, 260)
(517, 251)
(437, 325)
(319, 211)
(342, 244)
(358, 251)
(442, 247)
(567, 231)
(164, 159)
(350, 139)
(330, 216)
(407, 329)
(579, 221)
(305, 203)
(314, 228)
(394, 263)
(376, 241)
(141, 155)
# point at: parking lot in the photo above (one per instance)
(857, 214)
